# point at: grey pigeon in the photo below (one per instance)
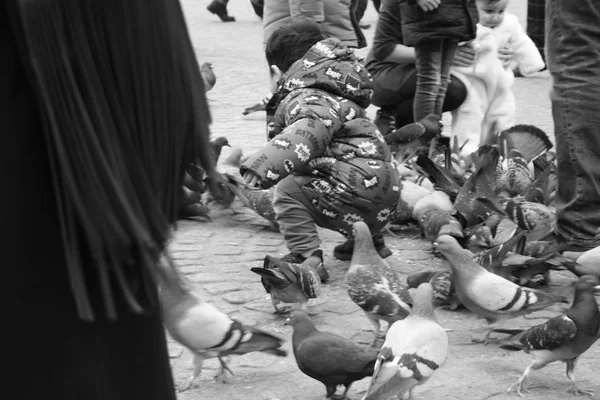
(413, 350)
(562, 338)
(288, 282)
(373, 284)
(208, 75)
(203, 329)
(331, 359)
(486, 294)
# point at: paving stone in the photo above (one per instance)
(223, 287)
(241, 297)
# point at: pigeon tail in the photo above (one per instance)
(529, 140)
(259, 341)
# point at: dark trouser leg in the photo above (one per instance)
(573, 56)
(536, 23)
(448, 51)
(429, 62)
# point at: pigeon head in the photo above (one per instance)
(364, 250)
(423, 301)
(220, 142)
(588, 283)
(446, 244)
(298, 317)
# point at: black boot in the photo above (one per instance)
(385, 121)
(220, 9)
(344, 251)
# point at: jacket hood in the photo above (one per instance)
(332, 67)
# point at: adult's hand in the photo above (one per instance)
(465, 55)
(506, 54)
(428, 5)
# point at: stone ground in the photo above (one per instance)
(217, 255)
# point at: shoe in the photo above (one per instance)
(258, 6)
(385, 121)
(315, 261)
(220, 10)
(344, 251)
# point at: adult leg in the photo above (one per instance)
(536, 22)
(456, 93)
(429, 64)
(573, 57)
(219, 8)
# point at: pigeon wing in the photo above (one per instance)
(550, 335)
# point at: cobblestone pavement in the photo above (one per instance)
(216, 256)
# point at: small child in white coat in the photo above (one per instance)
(489, 107)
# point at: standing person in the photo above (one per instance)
(434, 28)
(219, 8)
(331, 166)
(573, 59)
(536, 23)
(96, 132)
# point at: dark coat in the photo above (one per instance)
(322, 131)
(453, 19)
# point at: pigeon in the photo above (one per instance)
(258, 200)
(410, 194)
(587, 262)
(190, 205)
(417, 134)
(413, 350)
(486, 294)
(436, 200)
(288, 282)
(203, 329)
(208, 75)
(435, 223)
(331, 359)
(372, 284)
(520, 145)
(444, 294)
(562, 338)
(441, 177)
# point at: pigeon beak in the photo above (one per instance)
(287, 322)
(597, 289)
(435, 246)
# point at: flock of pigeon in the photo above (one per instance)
(486, 213)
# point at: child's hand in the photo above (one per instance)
(251, 178)
(428, 5)
(506, 54)
(465, 55)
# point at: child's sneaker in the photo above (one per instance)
(315, 261)
(344, 251)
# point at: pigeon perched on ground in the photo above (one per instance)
(413, 350)
(416, 135)
(562, 338)
(288, 282)
(329, 358)
(486, 294)
(435, 223)
(258, 200)
(444, 294)
(203, 329)
(372, 284)
(208, 75)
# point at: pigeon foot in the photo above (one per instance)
(519, 388)
(574, 390)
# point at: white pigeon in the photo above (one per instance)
(414, 349)
(486, 294)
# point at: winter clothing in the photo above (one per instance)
(394, 84)
(335, 16)
(322, 135)
(490, 105)
(573, 57)
(453, 19)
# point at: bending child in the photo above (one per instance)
(434, 28)
(489, 107)
(329, 161)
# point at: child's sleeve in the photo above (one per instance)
(307, 135)
(526, 54)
